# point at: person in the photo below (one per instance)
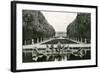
(48, 52)
(58, 47)
(77, 55)
(68, 52)
(52, 48)
(81, 53)
(52, 57)
(41, 58)
(58, 50)
(35, 53)
(62, 52)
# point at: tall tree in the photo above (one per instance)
(35, 26)
(80, 27)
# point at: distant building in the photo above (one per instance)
(60, 34)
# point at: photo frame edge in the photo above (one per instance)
(13, 35)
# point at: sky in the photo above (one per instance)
(59, 20)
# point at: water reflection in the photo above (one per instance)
(58, 53)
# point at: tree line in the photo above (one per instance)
(35, 26)
(80, 27)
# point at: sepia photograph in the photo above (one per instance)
(55, 36)
(48, 36)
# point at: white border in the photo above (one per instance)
(21, 65)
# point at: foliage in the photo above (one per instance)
(35, 25)
(80, 27)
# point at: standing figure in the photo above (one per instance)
(48, 52)
(62, 52)
(35, 53)
(58, 50)
(52, 57)
(68, 52)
